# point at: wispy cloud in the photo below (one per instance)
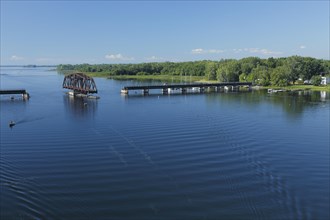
(16, 58)
(302, 47)
(257, 51)
(203, 51)
(118, 57)
(197, 51)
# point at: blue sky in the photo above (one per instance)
(54, 32)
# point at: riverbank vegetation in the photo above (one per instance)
(278, 72)
(298, 87)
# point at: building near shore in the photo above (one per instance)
(325, 80)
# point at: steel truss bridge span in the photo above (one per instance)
(79, 83)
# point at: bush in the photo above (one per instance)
(316, 80)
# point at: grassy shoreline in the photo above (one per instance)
(300, 87)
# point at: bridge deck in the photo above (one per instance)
(13, 91)
(23, 92)
(164, 87)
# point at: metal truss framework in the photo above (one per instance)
(80, 83)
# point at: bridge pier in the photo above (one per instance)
(25, 96)
(124, 91)
(235, 88)
(220, 89)
(228, 88)
(165, 91)
(145, 91)
(183, 90)
(212, 89)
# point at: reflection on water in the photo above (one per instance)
(217, 155)
(80, 107)
(293, 103)
(324, 95)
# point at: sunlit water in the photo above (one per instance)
(247, 155)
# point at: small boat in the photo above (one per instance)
(12, 123)
(275, 90)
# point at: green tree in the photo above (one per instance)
(294, 65)
(279, 76)
(261, 75)
(243, 77)
(211, 70)
(228, 71)
(316, 80)
(247, 64)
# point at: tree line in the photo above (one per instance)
(272, 71)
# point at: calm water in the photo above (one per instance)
(248, 155)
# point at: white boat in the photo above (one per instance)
(275, 90)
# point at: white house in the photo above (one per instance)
(325, 80)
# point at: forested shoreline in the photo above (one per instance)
(265, 72)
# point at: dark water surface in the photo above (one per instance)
(248, 155)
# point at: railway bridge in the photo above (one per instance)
(80, 83)
(165, 88)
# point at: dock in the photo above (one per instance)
(201, 87)
(23, 92)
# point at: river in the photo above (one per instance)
(235, 155)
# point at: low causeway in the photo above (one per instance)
(165, 88)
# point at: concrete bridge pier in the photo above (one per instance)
(220, 89)
(25, 96)
(235, 88)
(212, 89)
(124, 91)
(165, 91)
(145, 91)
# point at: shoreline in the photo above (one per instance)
(299, 87)
(200, 79)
